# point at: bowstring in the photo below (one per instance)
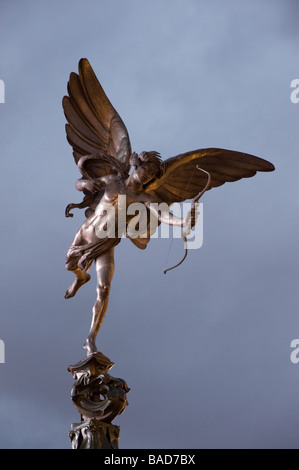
(171, 243)
(168, 254)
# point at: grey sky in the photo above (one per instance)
(206, 348)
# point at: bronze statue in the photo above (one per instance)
(111, 172)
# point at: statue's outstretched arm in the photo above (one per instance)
(164, 216)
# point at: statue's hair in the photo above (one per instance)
(153, 157)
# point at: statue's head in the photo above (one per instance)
(147, 165)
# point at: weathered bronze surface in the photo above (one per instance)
(96, 394)
(113, 180)
(102, 152)
(99, 398)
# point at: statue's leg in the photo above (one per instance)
(81, 277)
(73, 256)
(104, 265)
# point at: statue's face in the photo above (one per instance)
(144, 169)
(144, 172)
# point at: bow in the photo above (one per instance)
(192, 212)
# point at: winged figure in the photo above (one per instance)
(111, 171)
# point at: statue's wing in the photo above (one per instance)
(181, 180)
(97, 165)
(93, 126)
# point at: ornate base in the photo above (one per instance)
(94, 434)
(99, 398)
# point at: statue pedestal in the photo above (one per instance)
(99, 398)
(94, 434)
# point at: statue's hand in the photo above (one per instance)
(190, 220)
(67, 210)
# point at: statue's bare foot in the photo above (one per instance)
(71, 291)
(90, 347)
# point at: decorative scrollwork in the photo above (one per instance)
(97, 394)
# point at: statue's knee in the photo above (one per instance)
(103, 291)
(70, 265)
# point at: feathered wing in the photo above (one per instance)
(181, 180)
(93, 126)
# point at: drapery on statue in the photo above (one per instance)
(102, 152)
